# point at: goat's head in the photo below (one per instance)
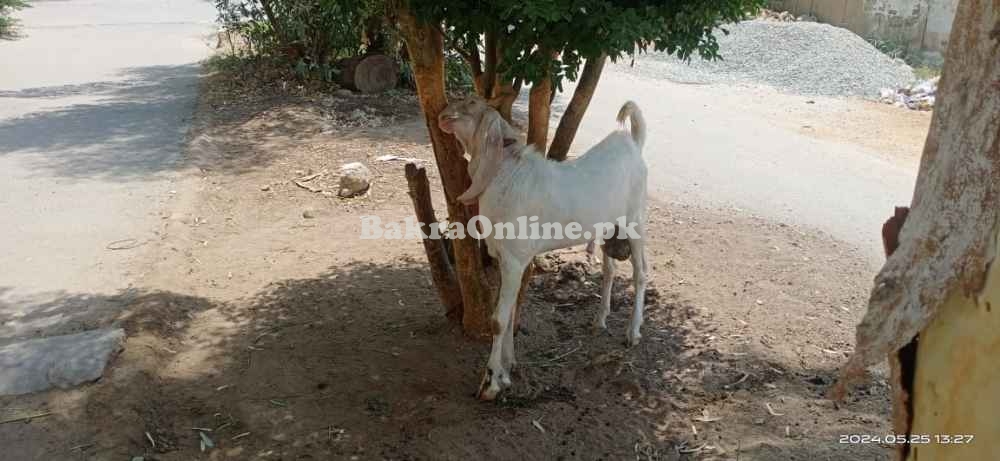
(462, 117)
(484, 134)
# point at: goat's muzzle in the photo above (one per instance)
(445, 123)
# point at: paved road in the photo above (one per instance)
(706, 148)
(94, 105)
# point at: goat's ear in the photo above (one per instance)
(489, 135)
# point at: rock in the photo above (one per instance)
(309, 214)
(344, 92)
(355, 178)
(265, 187)
(58, 361)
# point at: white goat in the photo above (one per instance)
(511, 181)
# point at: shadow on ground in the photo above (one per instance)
(124, 129)
(360, 362)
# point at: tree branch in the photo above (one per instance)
(472, 59)
(570, 120)
(539, 109)
(442, 271)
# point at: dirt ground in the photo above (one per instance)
(268, 326)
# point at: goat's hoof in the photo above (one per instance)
(632, 339)
(489, 394)
(488, 390)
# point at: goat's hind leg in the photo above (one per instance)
(497, 376)
(607, 283)
(639, 278)
(507, 357)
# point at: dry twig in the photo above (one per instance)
(26, 418)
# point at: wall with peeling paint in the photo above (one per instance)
(940, 15)
(921, 24)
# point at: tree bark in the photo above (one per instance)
(506, 95)
(477, 276)
(442, 271)
(539, 111)
(475, 62)
(570, 120)
(490, 65)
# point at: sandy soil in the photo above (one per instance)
(266, 322)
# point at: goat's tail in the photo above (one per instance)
(630, 110)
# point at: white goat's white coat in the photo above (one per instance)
(605, 184)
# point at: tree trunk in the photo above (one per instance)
(570, 120)
(442, 271)
(506, 95)
(489, 65)
(477, 276)
(476, 65)
(539, 105)
(931, 308)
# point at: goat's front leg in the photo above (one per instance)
(497, 376)
(639, 277)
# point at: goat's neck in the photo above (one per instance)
(523, 161)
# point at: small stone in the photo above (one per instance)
(309, 214)
(265, 187)
(344, 92)
(355, 178)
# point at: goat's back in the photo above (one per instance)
(608, 182)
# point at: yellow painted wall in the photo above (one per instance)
(957, 385)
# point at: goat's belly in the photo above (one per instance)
(555, 244)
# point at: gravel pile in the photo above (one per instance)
(800, 57)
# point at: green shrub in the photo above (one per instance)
(458, 76)
(312, 35)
